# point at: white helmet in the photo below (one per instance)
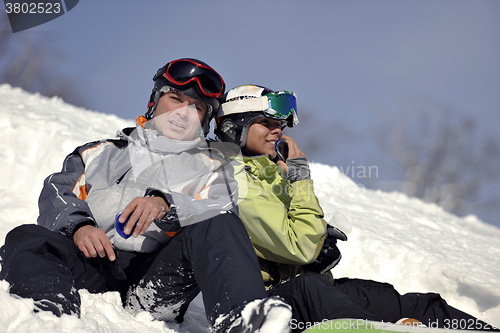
(244, 104)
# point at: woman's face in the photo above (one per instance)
(262, 135)
(179, 116)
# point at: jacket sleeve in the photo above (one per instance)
(62, 203)
(218, 196)
(288, 235)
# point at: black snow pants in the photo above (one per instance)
(314, 298)
(214, 256)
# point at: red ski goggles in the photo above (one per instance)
(184, 71)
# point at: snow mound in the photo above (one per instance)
(392, 238)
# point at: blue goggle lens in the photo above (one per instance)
(282, 105)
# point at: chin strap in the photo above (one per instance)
(275, 159)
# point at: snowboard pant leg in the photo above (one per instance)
(382, 300)
(45, 265)
(214, 256)
(313, 299)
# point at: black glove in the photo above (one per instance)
(330, 255)
(169, 222)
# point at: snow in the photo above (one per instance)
(392, 238)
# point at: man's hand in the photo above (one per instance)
(143, 211)
(293, 152)
(93, 241)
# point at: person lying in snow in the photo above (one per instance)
(161, 171)
(295, 246)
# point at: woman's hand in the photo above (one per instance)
(293, 152)
(142, 212)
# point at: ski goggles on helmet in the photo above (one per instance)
(185, 71)
(280, 105)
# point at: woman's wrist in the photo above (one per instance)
(298, 169)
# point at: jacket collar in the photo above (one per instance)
(151, 140)
(262, 167)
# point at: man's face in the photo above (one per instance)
(179, 116)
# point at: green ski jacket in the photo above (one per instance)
(284, 220)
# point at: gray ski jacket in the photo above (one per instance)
(100, 178)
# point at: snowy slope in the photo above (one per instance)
(393, 238)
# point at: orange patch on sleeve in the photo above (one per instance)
(83, 193)
(171, 234)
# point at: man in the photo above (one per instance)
(161, 184)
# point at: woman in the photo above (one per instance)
(285, 222)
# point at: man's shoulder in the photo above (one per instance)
(119, 142)
(223, 150)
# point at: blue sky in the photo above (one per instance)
(343, 58)
(346, 60)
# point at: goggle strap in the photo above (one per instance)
(295, 120)
(245, 105)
